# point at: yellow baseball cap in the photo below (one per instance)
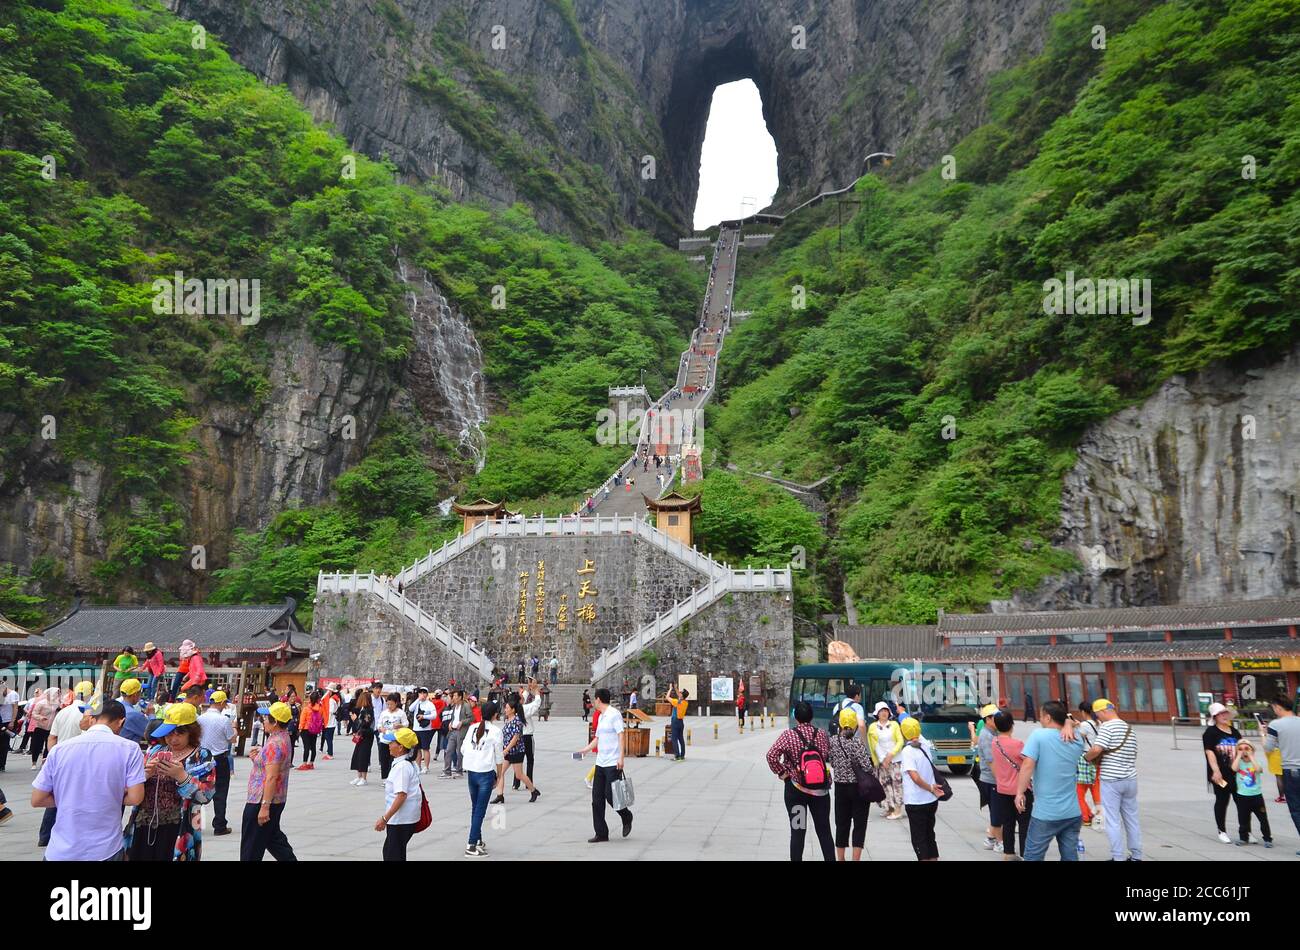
(848, 719)
(218, 697)
(280, 712)
(130, 687)
(989, 710)
(911, 729)
(406, 737)
(1101, 705)
(178, 714)
(84, 688)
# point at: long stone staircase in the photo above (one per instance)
(696, 377)
(615, 508)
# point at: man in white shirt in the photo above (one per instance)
(608, 746)
(217, 733)
(422, 715)
(532, 706)
(70, 722)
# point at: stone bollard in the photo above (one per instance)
(688, 737)
(658, 750)
(715, 731)
(772, 721)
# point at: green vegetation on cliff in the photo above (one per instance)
(164, 157)
(924, 364)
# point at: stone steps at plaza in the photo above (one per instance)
(566, 698)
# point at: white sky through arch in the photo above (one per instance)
(738, 160)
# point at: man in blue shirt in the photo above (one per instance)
(136, 720)
(1050, 762)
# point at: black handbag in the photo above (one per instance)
(869, 786)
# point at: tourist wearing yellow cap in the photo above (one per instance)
(179, 780)
(920, 792)
(137, 720)
(1115, 748)
(402, 794)
(856, 786)
(268, 789)
(218, 733)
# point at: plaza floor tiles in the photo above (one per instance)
(722, 803)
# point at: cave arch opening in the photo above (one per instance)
(738, 158)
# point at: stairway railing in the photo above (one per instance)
(409, 610)
(566, 526)
(631, 647)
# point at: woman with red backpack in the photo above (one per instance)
(800, 757)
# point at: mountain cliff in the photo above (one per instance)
(559, 102)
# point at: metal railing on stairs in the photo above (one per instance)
(409, 610)
(631, 647)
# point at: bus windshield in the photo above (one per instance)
(943, 694)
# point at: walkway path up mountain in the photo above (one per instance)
(671, 421)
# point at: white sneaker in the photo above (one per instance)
(1223, 836)
(362, 782)
(424, 771)
(989, 843)
(998, 849)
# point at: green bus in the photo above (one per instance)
(944, 698)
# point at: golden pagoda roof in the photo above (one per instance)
(673, 502)
(480, 507)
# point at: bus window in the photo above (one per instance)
(835, 690)
(810, 690)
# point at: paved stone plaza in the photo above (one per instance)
(722, 803)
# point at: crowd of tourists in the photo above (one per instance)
(1036, 790)
(134, 771)
(127, 775)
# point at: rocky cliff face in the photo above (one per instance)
(593, 86)
(1192, 496)
(321, 412)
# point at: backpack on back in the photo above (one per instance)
(812, 765)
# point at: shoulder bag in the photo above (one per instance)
(869, 786)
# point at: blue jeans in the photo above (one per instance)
(47, 827)
(480, 792)
(1291, 789)
(679, 739)
(1041, 833)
